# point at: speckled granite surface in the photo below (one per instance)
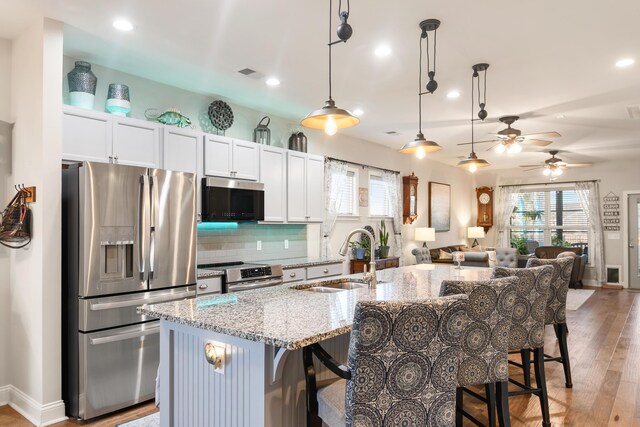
(203, 273)
(303, 262)
(292, 318)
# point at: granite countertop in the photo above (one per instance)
(302, 262)
(203, 273)
(292, 318)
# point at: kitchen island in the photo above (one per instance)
(259, 333)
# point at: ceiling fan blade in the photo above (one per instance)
(494, 146)
(538, 142)
(532, 166)
(576, 165)
(552, 134)
(477, 142)
(532, 169)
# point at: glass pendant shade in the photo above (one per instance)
(514, 148)
(420, 146)
(500, 148)
(546, 172)
(472, 163)
(330, 118)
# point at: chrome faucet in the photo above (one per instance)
(370, 276)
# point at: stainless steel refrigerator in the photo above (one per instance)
(128, 238)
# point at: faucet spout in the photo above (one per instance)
(370, 276)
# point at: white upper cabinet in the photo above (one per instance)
(305, 185)
(182, 150)
(273, 174)
(86, 135)
(136, 142)
(230, 158)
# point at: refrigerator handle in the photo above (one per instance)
(153, 193)
(143, 209)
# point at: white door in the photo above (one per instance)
(315, 188)
(273, 174)
(634, 241)
(217, 156)
(86, 135)
(245, 160)
(296, 187)
(136, 142)
(180, 150)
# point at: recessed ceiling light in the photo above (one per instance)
(382, 51)
(122, 25)
(561, 116)
(452, 94)
(358, 112)
(272, 81)
(625, 62)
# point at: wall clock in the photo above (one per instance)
(409, 198)
(484, 196)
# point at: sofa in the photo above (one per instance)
(471, 259)
(579, 263)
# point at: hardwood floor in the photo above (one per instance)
(604, 344)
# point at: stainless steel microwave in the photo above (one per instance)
(232, 200)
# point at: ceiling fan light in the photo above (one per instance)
(557, 172)
(420, 144)
(546, 172)
(515, 148)
(500, 148)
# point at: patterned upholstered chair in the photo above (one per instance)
(485, 343)
(556, 313)
(403, 363)
(527, 329)
(423, 256)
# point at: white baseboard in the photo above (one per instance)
(37, 414)
(591, 282)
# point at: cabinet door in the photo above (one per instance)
(86, 135)
(273, 174)
(180, 150)
(217, 156)
(245, 160)
(136, 142)
(315, 188)
(296, 187)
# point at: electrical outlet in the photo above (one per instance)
(259, 245)
(286, 243)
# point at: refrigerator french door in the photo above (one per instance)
(129, 238)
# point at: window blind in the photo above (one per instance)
(346, 194)
(378, 197)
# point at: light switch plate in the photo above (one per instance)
(259, 245)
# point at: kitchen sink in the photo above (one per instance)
(336, 287)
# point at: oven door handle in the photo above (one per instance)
(125, 336)
(141, 301)
(266, 283)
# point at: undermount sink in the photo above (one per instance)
(336, 287)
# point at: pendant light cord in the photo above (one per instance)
(420, 86)
(472, 101)
(330, 27)
(435, 51)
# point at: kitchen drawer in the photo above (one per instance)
(392, 263)
(210, 285)
(324, 271)
(294, 275)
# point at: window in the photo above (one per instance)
(379, 203)
(347, 204)
(549, 218)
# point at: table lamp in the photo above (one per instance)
(475, 233)
(425, 234)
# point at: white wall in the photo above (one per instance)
(616, 177)
(34, 338)
(5, 153)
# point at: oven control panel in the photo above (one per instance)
(250, 273)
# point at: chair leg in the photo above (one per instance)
(490, 391)
(561, 333)
(502, 392)
(459, 406)
(525, 355)
(541, 382)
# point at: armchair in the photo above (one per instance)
(579, 263)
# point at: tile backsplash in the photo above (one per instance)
(240, 243)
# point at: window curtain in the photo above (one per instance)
(589, 196)
(334, 171)
(506, 198)
(394, 183)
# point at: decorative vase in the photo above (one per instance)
(358, 253)
(118, 102)
(384, 251)
(82, 85)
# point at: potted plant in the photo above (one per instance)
(358, 249)
(384, 240)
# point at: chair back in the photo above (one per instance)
(527, 329)
(485, 341)
(507, 257)
(403, 359)
(423, 256)
(556, 311)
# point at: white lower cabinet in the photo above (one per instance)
(291, 275)
(273, 174)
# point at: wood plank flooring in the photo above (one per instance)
(604, 345)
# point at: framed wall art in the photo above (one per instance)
(439, 206)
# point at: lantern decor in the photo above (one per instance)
(262, 133)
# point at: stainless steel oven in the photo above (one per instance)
(240, 276)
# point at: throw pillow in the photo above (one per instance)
(493, 258)
(567, 254)
(445, 255)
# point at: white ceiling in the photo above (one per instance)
(548, 58)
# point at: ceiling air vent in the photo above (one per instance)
(634, 112)
(246, 71)
(392, 132)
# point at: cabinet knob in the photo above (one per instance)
(203, 286)
(116, 159)
(292, 275)
(326, 270)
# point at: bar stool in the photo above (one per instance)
(527, 329)
(403, 364)
(485, 344)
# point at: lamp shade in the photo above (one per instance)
(425, 234)
(475, 232)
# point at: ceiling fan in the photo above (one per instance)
(554, 166)
(511, 139)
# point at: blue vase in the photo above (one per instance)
(118, 101)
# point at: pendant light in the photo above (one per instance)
(473, 163)
(420, 146)
(330, 117)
